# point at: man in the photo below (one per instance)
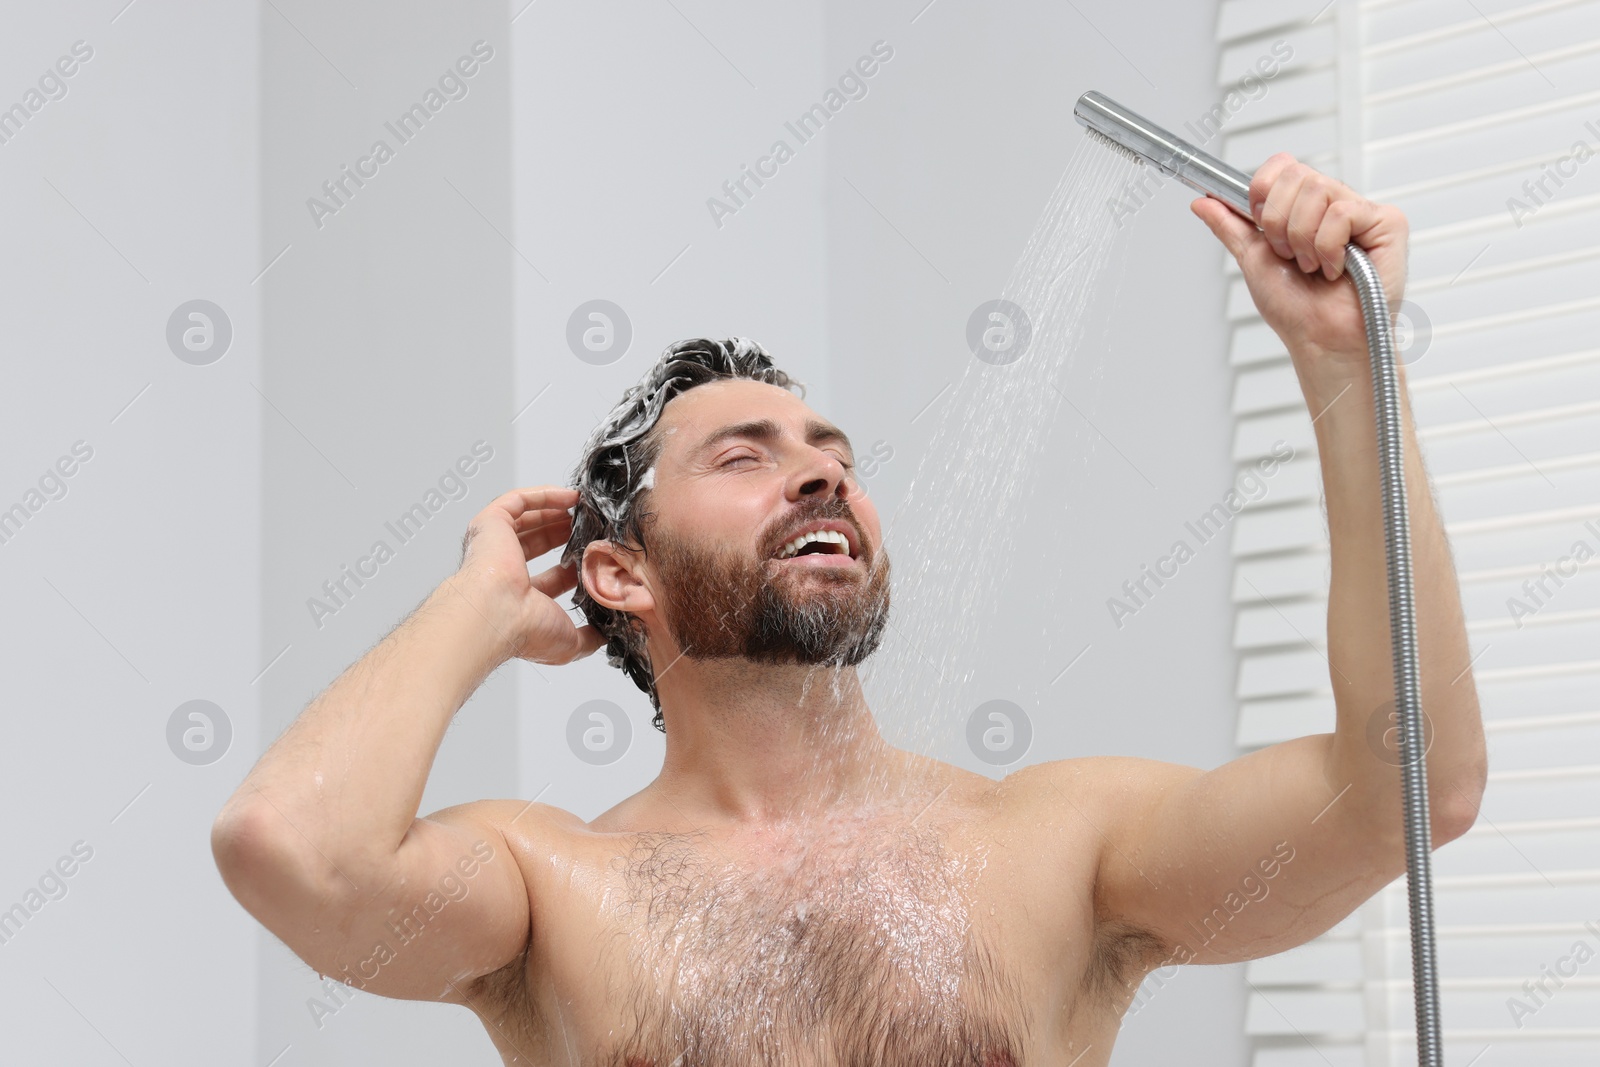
(791, 889)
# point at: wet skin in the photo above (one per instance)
(860, 905)
(790, 889)
(952, 924)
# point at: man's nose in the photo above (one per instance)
(822, 475)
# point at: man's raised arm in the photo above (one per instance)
(1273, 848)
(322, 842)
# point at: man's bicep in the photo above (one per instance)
(454, 908)
(1234, 863)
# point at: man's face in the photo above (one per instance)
(745, 468)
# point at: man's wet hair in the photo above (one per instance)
(616, 471)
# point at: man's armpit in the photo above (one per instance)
(1122, 954)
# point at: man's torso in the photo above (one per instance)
(956, 928)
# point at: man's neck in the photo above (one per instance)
(761, 743)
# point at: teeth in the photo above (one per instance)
(831, 536)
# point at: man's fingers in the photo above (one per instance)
(537, 540)
(1305, 220)
(536, 531)
(518, 501)
(543, 519)
(1334, 235)
(589, 640)
(1234, 233)
(1267, 174)
(542, 522)
(1370, 222)
(1310, 217)
(556, 580)
(1274, 214)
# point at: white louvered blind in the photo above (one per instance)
(1446, 108)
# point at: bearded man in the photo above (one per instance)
(791, 889)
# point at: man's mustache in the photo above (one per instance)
(840, 511)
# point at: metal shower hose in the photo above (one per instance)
(1126, 131)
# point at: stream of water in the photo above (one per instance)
(954, 538)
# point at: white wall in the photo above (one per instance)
(138, 590)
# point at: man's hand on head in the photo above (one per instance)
(512, 531)
(1294, 263)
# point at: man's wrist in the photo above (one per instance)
(479, 619)
(1330, 380)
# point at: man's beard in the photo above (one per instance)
(732, 605)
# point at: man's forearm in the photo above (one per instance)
(1359, 648)
(348, 775)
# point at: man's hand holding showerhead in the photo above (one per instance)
(512, 531)
(1294, 263)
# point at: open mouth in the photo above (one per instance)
(819, 547)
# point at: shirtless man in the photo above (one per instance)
(791, 889)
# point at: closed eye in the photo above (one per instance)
(844, 461)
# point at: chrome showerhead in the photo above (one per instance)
(1117, 127)
(1121, 150)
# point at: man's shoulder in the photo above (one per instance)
(1087, 807)
(1107, 783)
(516, 821)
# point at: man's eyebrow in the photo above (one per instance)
(768, 430)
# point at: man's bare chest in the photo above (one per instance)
(868, 944)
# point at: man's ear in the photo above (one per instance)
(610, 574)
